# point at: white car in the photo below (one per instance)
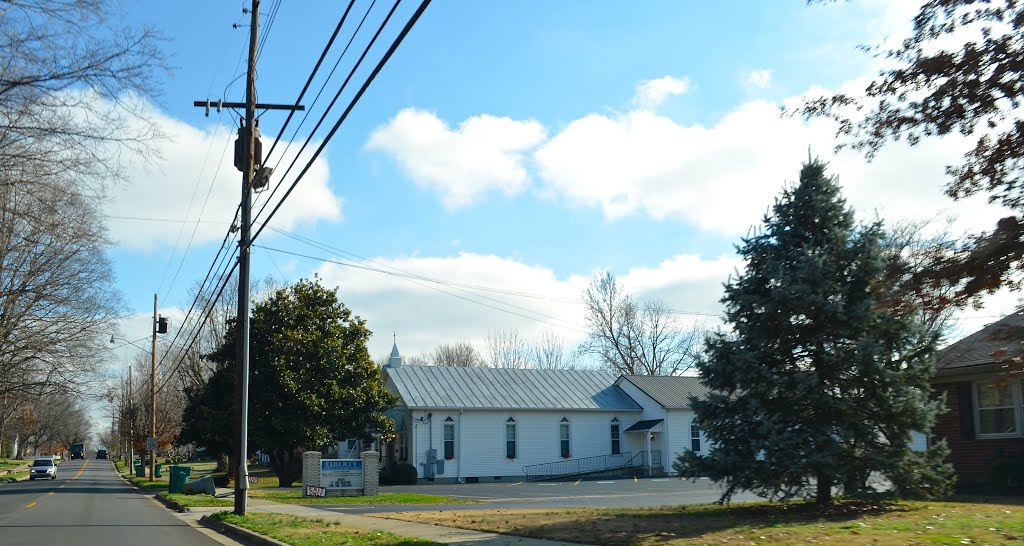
(42, 468)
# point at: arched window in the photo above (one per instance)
(563, 437)
(616, 438)
(694, 435)
(510, 438)
(449, 438)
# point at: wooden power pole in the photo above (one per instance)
(249, 140)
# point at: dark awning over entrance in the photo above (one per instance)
(641, 426)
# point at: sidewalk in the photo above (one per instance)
(436, 533)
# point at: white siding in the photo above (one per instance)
(633, 441)
(679, 422)
(480, 439)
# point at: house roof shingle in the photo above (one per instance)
(424, 387)
(995, 343)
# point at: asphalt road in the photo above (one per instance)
(615, 492)
(88, 504)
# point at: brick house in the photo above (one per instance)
(981, 377)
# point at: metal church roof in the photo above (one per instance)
(423, 387)
(672, 392)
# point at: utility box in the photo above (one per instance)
(429, 466)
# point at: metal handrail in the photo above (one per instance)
(584, 465)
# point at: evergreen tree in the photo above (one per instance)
(312, 381)
(818, 384)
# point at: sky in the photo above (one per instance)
(507, 153)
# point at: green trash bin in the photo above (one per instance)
(179, 475)
(159, 467)
(140, 470)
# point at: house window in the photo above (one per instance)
(352, 444)
(695, 435)
(563, 437)
(616, 444)
(449, 438)
(998, 407)
(510, 438)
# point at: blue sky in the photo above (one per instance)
(515, 147)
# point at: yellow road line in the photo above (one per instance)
(50, 493)
(31, 505)
(80, 470)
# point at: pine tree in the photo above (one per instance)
(817, 384)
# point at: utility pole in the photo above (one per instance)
(152, 398)
(251, 155)
(131, 419)
(242, 350)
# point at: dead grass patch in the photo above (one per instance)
(895, 524)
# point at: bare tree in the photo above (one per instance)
(549, 353)
(69, 86)
(910, 248)
(635, 338)
(57, 299)
(506, 349)
(416, 360)
(461, 354)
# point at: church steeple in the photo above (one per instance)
(395, 360)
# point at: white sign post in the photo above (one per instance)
(341, 473)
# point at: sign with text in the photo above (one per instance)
(316, 491)
(151, 444)
(341, 473)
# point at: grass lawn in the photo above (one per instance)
(18, 468)
(294, 496)
(158, 484)
(962, 521)
(313, 532)
(189, 501)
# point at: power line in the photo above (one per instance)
(362, 90)
(325, 246)
(427, 283)
(195, 227)
(305, 87)
(225, 279)
(166, 220)
(202, 286)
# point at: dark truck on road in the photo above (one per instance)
(77, 451)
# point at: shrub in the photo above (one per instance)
(402, 474)
(1007, 473)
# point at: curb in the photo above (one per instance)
(171, 504)
(239, 532)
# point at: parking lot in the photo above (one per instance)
(616, 492)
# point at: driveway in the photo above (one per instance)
(617, 492)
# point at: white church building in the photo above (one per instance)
(494, 424)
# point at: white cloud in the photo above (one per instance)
(759, 79)
(425, 315)
(650, 94)
(724, 177)
(193, 178)
(483, 153)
